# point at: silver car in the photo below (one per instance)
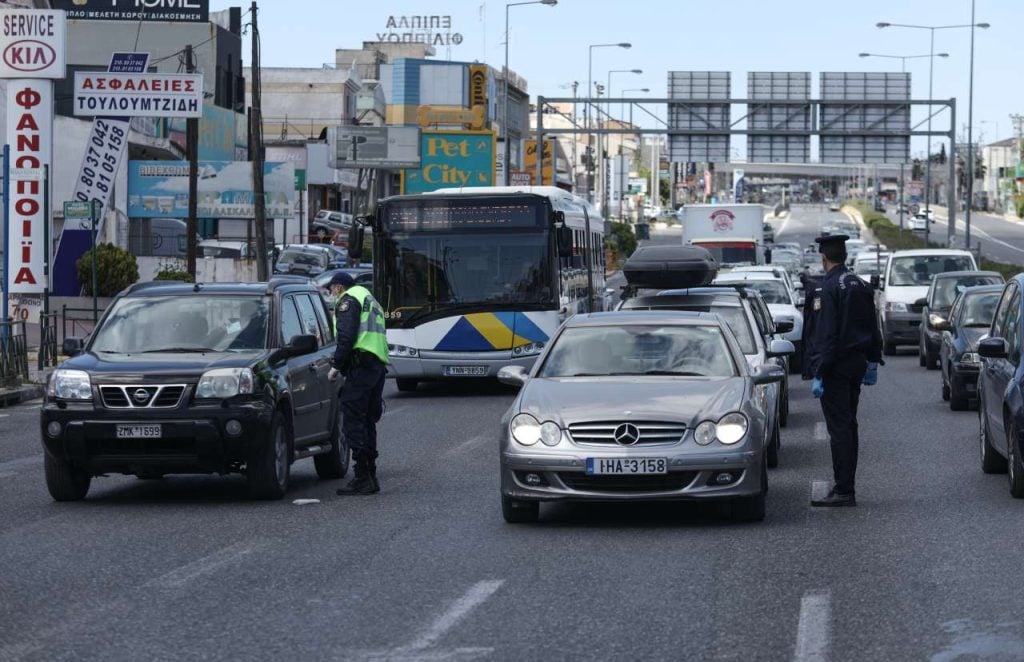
(638, 406)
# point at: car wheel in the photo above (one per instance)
(773, 448)
(784, 409)
(795, 364)
(1015, 462)
(334, 464)
(751, 508)
(991, 461)
(945, 388)
(888, 347)
(958, 400)
(270, 471)
(65, 481)
(406, 385)
(931, 361)
(517, 511)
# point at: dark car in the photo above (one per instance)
(935, 307)
(177, 378)
(1000, 392)
(969, 319)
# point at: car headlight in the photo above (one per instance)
(704, 433)
(970, 358)
(69, 385)
(550, 433)
(935, 319)
(895, 307)
(525, 429)
(225, 383)
(732, 428)
(402, 350)
(532, 349)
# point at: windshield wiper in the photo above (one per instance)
(675, 373)
(180, 350)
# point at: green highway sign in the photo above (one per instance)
(77, 209)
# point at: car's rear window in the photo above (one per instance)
(292, 256)
(917, 270)
(633, 349)
(735, 316)
(979, 309)
(946, 288)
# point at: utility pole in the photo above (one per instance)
(192, 147)
(256, 142)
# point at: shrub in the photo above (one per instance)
(621, 241)
(173, 273)
(116, 269)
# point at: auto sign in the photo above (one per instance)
(32, 43)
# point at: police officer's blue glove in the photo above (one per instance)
(871, 376)
(817, 387)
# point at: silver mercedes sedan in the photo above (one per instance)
(638, 406)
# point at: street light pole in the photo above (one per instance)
(931, 66)
(606, 183)
(970, 143)
(507, 160)
(586, 109)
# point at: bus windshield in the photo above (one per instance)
(441, 253)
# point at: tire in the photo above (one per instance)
(991, 461)
(270, 471)
(517, 511)
(773, 448)
(784, 410)
(958, 400)
(65, 481)
(406, 385)
(888, 347)
(931, 361)
(334, 464)
(945, 388)
(1015, 463)
(796, 364)
(921, 357)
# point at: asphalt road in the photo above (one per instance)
(1000, 240)
(186, 568)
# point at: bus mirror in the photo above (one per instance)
(560, 217)
(355, 241)
(563, 236)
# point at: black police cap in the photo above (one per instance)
(833, 246)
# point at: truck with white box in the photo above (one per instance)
(733, 234)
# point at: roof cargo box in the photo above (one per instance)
(670, 267)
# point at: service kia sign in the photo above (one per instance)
(32, 43)
(29, 122)
(138, 95)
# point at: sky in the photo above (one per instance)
(549, 46)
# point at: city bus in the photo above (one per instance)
(472, 280)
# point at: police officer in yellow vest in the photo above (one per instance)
(362, 356)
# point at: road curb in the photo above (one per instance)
(13, 396)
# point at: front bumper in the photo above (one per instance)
(903, 328)
(436, 365)
(193, 439)
(690, 477)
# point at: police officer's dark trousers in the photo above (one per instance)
(839, 404)
(362, 405)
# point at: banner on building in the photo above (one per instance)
(32, 43)
(29, 134)
(159, 189)
(452, 159)
(138, 95)
(478, 85)
(171, 11)
(547, 166)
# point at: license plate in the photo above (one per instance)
(465, 371)
(626, 466)
(139, 432)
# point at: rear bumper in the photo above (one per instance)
(439, 366)
(903, 328)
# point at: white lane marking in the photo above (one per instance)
(207, 564)
(459, 610)
(11, 467)
(820, 431)
(5, 415)
(962, 225)
(814, 631)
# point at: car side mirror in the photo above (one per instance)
(72, 346)
(768, 374)
(563, 236)
(923, 301)
(513, 375)
(784, 325)
(993, 348)
(297, 346)
(780, 348)
(356, 234)
(876, 283)
(942, 325)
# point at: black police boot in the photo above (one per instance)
(364, 482)
(835, 500)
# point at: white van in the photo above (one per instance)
(906, 279)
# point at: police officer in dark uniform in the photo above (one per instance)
(812, 293)
(362, 356)
(845, 351)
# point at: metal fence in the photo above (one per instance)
(13, 353)
(49, 345)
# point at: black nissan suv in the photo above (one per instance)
(208, 378)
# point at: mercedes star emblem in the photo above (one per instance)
(627, 434)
